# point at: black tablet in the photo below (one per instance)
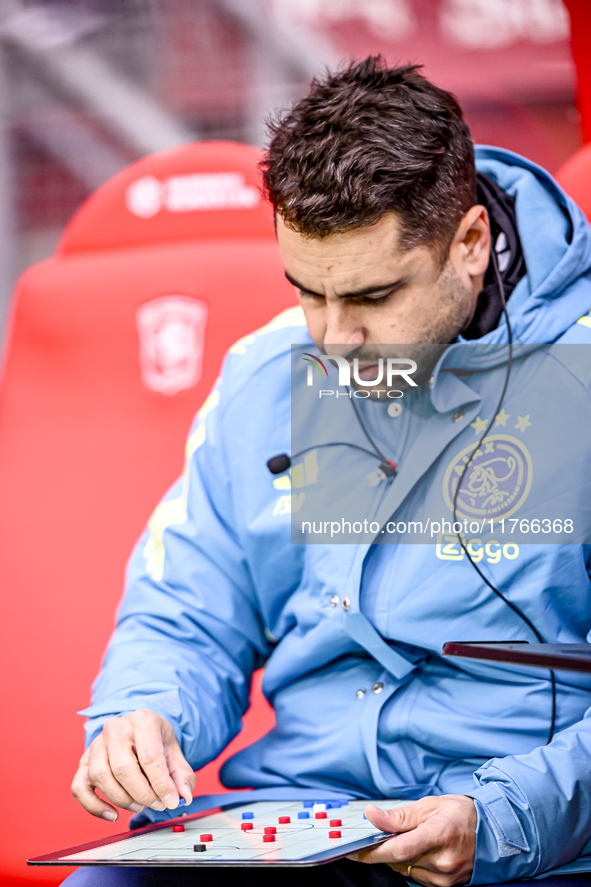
(567, 657)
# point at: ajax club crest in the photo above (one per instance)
(496, 482)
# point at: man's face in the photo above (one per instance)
(360, 291)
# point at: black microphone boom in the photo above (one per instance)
(279, 464)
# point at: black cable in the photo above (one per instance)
(339, 443)
(279, 464)
(366, 432)
(387, 462)
(499, 594)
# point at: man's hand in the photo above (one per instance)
(136, 762)
(436, 836)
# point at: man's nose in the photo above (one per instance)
(342, 328)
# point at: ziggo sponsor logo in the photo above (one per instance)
(448, 548)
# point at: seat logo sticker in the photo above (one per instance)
(172, 334)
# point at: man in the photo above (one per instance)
(387, 235)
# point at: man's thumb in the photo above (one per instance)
(399, 819)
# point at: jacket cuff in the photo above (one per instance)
(94, 726)
(166, 704)
(503, 852)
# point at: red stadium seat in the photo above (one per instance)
(575, 177)
(114, 343)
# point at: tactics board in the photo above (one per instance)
(258, 833)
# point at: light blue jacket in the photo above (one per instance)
(215, 589)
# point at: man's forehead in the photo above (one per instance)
(343, 243)
(361, 257)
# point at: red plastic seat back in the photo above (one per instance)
(575, 177)
(115, 342)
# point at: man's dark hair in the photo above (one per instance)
(369, 140)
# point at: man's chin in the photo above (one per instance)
(388, 388)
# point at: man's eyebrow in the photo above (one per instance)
(355, 295)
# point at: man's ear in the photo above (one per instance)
(470, 247)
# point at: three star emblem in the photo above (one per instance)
(479, 425)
